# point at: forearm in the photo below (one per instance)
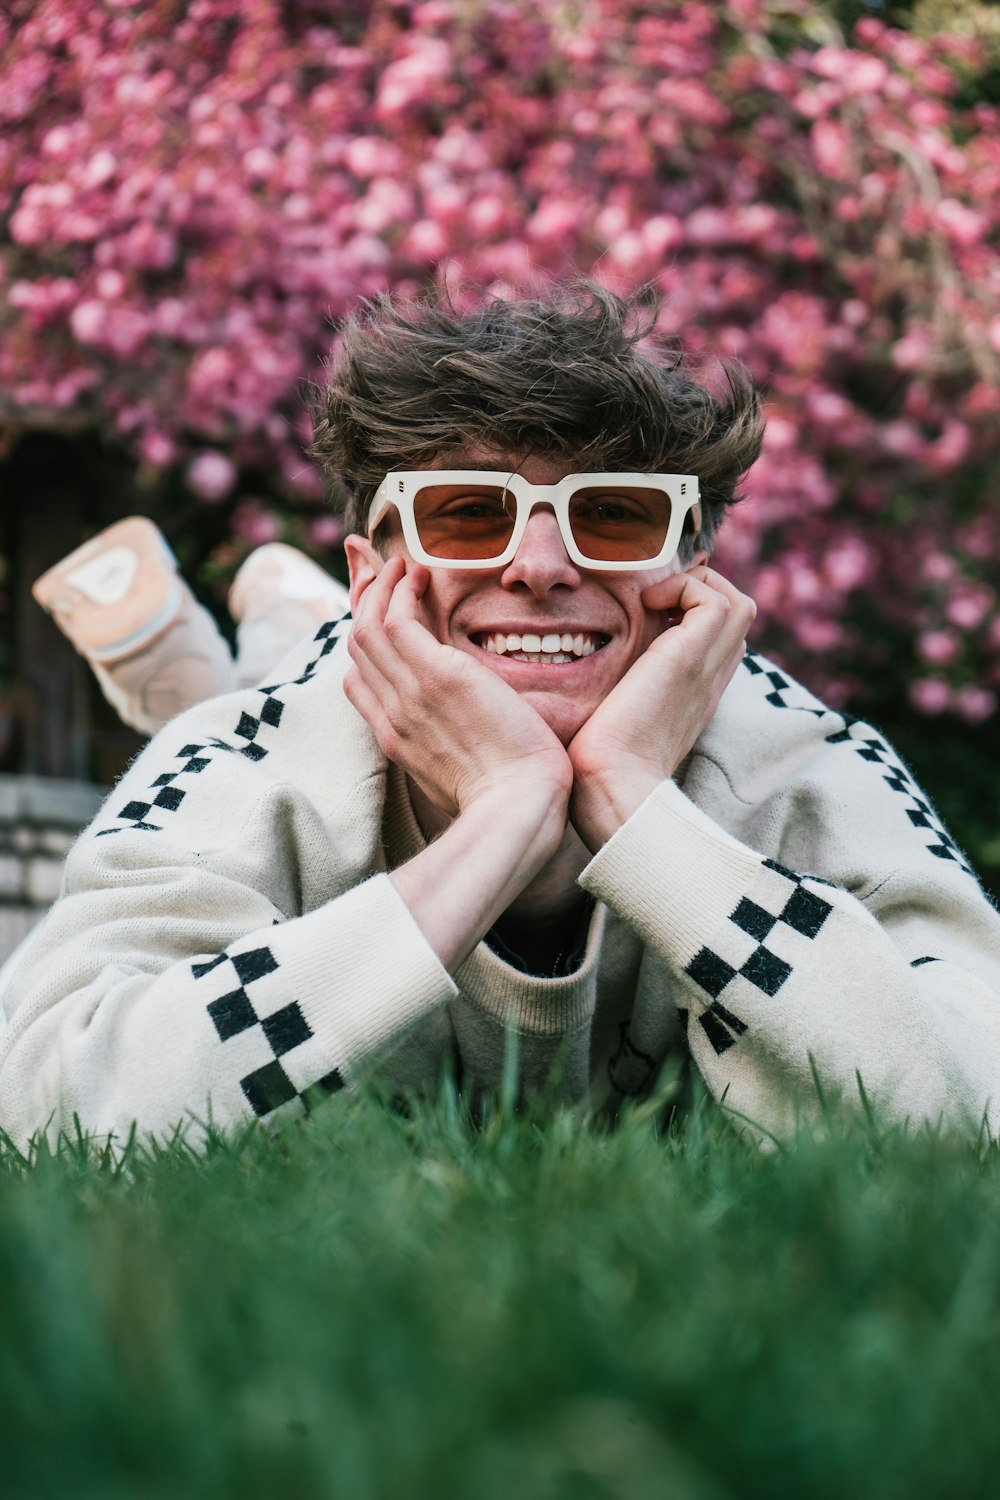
(781, 974)
(461, 883)
(138, 1005)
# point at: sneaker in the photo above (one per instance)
(153, 648)
(277, 576)
(279, 596)
(116, 594)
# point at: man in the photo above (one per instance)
(537, 784)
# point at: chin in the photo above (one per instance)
(563, 717)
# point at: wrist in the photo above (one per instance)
(466, 878)
(532, 814)
(605, 800)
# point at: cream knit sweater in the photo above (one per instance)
(228, 943)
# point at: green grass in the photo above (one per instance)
(371, 1305)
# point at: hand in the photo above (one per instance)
(644, 728)
(452, 725)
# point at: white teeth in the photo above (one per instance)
(548, 657)
(548, 648)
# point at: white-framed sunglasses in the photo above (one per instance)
(476, 518)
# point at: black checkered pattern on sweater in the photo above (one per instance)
(860, 737)
(253, 736)
(802, 910)
(268, 1087)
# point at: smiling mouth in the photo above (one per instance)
(551, 649)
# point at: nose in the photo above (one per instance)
(541, 561)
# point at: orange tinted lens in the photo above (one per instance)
(474, 521)
(620, 524)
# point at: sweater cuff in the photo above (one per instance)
(364, 969)
(671, 873)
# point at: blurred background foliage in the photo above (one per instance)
(192, 196)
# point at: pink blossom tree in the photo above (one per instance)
(192, 194)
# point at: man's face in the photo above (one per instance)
(540, 593)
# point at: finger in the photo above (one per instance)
(731, 620)
(368, 636)
(742, 601)
(686, 592)
(404, 605)
(413, 645)
(374, 599)
(709, 630)
(368, 701)
(707, 602)
(368, 674)
(417, 647)
(665, 593)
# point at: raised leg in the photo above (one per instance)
(279, 596)
(154, 649)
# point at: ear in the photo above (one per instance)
(364, 565)
(699, 560)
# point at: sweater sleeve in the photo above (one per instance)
(225, 946)
(786, 976)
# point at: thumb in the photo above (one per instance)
(665, 593)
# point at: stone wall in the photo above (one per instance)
(39, 819)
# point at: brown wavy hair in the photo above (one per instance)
(563, 377)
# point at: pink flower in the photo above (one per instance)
(963, 224)
(938, 567)
(866, 75)
(831, 147)
(373, 156)
(950, 450)
(157, 449)
(212, 368)
(975, 704)
(487, 215)
(834, 62)
(554, 220)
(817, 633)
(939, 647)
(707, 227)
(829, 408)
(930, 695)
(415, 78)
(902, 439)
(211, 476)
(627, 252)
(661, 234)
(88, 321)
(968, 607)
(426, 241)
(260, 162)
(110, 285)
(326, 531)
(255, 523)
(848, 564)
(913, 348)
(99, 169)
